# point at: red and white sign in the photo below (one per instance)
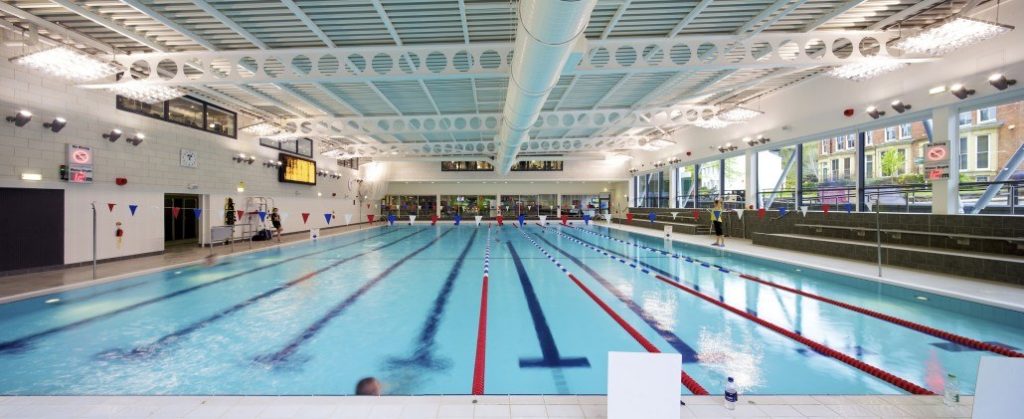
(79, 163)
(936, 161)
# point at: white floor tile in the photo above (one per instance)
(492, 411)
(455, 411)
(778, 410)
(352, 411)
(815, 410)
(594, 410)
(529, 410)
(420, 410)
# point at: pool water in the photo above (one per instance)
(403, 304)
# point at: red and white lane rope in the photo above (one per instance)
(685, 378)
(818, 347)
(941, 334)
(480, 362)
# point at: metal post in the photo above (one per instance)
(878, 234)
(94, 240)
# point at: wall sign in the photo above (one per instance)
(79, 163)
(936, 161)
(296, 170)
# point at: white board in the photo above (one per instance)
(643, 385)
(998, 392)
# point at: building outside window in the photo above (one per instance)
(965, 119)
(890, 133)
(987, 115)
(840, 143)
(869, 165)
(905, 132)
(964, 166)
(981, 149)
(869, 138)
(851, 141)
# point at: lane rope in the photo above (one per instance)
(685, 378)
(479, 364)
(941, 334)
(817, 347)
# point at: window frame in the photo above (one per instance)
(993, 115)
(165, 116)
(978, 152)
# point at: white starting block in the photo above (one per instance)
(997, 393)
(643, 385)
(543, 220)
(314, 233)
(478, 218)
(668, 231)
(412, 219)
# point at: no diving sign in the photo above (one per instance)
(936, 161)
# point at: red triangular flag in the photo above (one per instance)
(175, 211)
(369, 217)
(760, 213)
(305, 216)
(629, 216)
(824, 208)
(696, 214)
(240, 213)
(110, 206)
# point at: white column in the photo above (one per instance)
(558, 205)
(946, 193)
(750, 157)
(437, 205)
(671, 173)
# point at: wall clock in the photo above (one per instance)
(189, 158)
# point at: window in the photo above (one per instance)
(835, 169)
(981, 148)
(986, 115)
(300, 146)
(840, 143)
(894, 162)
(869, 138)
(963, 153)
(890, 133)
(187, 111)
(846, 168)
(537, 166)
(981, 178)
(352, 163)
(825, 146)
(466, 166)
(905, 131)
(220, 121)
(152, 110)
(965, 118)
(869, 166)
(824, 170)
(851, 141)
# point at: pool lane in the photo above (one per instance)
(727, 345)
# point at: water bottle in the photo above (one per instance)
(731, 395)
(951, 396)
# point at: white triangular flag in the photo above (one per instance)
(674, 214)
(412, 219)
(739, 213)
(543, 220)
(803, 210)
(608, 218)
(870, 205)
(348, 219)
(478, 218)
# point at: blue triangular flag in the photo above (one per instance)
(586, 219)
(391, 219)
(652, 216)
(848, 207)
(327, 216)
(263, 215)
(132, 208)
(458, 218)
(522, 219)
(197, 211)
(782, 212)
(718, 214)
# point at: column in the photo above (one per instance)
(672, 187)
(558, 206)
(945, 129)
(751, 175)
(437, 205)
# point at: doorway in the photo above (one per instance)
(181, 226)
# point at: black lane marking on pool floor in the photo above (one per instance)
(551, 358)
(282, 355)
(153, 349)
(688, 353)
(21, 344)
(423, 355)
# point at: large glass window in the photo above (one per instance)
(987, 115)
(964, 163)
(468, 206)
(776, 174)
(187, 111)
(894, 171)
(466, 166)
(152, 110)
(735, 181)
(986, 149)
(406, 205)
(575, 206)
(965, 118)
(220, 121)
(710, 183)
(981, 150)
(685, 187)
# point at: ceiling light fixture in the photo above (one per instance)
(936, 90)
(136, 139)
(56, 125)
(960, 91)
(762, 139)
(739, 114)
(66, 63)
(727, 148)
(113, 135)
(262, 129)
(899, 106)
(146, 93)
(866, 69)
(999, 81)
(874, 112)
(31, 176)
(954, 34)
(21, 118)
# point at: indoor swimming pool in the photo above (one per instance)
(494, 310)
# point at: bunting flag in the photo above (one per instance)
(716, 215)
(327, 217)
(608, 218)
(761, 212)
(629, 217)
(674, 214)
(739, 213)
(197, 212)
(565, 219)
(522, 219)
(305, 217)
(369, 218)
(586, 219)
(433, 219)
(132, 208)
(239, 214)
(458, 218)
(110, 206)
(869, 205)
(848, 207)
(263, 216)
(175, 211)
(500, 219)
(803, 210)
(412, 219)
(696, 215)
(348, 218)
(391, 219)
(824, 208)
(543, 220)
(652, 216)
(478, 218)
(782, 212)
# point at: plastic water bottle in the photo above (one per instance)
(951, 395)
(731, 395)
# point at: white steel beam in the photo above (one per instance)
(832, 14)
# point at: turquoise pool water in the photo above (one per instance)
(404, 304)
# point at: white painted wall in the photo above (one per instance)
(152, 168)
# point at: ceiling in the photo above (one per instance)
(365, 112)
